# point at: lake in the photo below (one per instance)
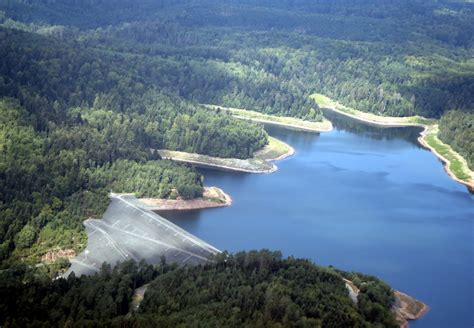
(361, 198)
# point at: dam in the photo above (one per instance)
(129, 230)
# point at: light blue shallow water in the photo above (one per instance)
(362, 199)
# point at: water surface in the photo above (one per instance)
(361, 198)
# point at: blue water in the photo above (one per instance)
(362, 199)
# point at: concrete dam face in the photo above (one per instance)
(128, 230)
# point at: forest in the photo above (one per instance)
(412, 58)
(159, 179)
(90, 89)
(50, 77)
(67, 116)
(258, 289)
(53, 180)
(403, 59)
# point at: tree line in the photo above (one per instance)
(255, 288)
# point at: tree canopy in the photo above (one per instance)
(250, 289)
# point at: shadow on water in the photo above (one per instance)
(188, 220)
(303, 139)
(343, 123)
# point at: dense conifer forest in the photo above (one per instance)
(257, 289)
(413, 57)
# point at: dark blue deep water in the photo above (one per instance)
(362, 199)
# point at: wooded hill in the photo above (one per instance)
(397, 59)
(250, 289)
(89, 88)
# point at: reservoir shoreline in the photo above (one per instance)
(212, 197)
(422, 139)
(286, 125)
(261, 162)
(361, 198)
(405, 308)
(206, 164)
(428, 130)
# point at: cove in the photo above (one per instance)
(361, 198)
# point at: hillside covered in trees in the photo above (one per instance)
(53, 180)
(258, 289)
(89, 89)
(404, 58)
(396, 59)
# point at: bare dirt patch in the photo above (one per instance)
(407, 308)
(53, 255)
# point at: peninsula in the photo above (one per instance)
(455, 164)
(405, 308)
(260, 163)
(212, 197)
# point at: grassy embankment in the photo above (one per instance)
(274, 151)
(290, 122)
(455, 164)
(454, 161)
(260, 163)
(326, 102)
